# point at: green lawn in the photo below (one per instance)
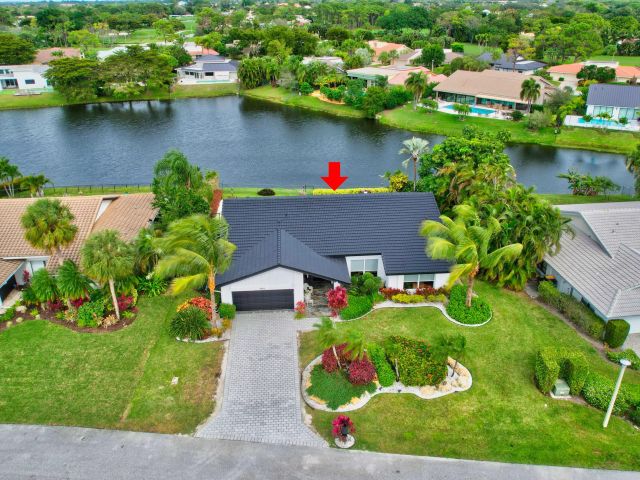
(54, 99)
(447, 124)
(52, 375)
(567, 198)
(473, 49)
(503, 417)
(286, 97)
(631, 61)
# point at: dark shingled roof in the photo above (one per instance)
(614, 95)
(506, 62)
(219, 67)
(313, 234)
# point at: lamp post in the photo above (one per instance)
(624, 363)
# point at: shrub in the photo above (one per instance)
(427, 290)
(365, 285)
(44, 286)
(549, 294)
(479, 312)
(334, 387)
(108, 321)
(300, 309)
(516, 115)
(90, 314)
(329, 361)
(407, 298)
(361, 372)
(190, 323)
(305, 88)
(415, 363)
(356, 307)
(386, 375)
(539, 120)
(628, 354)
(615, 332)
(201, 303)
(29, 297)
(598, 390)
(552, 364)
(125, 302)
(337, 299)
(226, 310)
(457, 47)
(152, 286)
(8, 314)
(388, 293)
(266, 192)
(438, 298)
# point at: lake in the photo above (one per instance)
(249, 142)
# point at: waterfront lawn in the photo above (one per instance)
(503, 417)
(121, 380)
(286, 97)
(448, 124)
(567, 198)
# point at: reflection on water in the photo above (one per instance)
(249, 142)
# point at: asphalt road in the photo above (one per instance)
(36, 452)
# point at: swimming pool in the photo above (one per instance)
(476, 110)
(599, 122)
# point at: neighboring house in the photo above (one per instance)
(379, 46)
(284, 242)
(209, 68)
(395, 74)
(44, 56)
(333, 62)
(600, 265)
(125, 213)
(450, 55)
(489, 87)
(23, 77)
(567, 74)
(197, 51)
(619, 101)
(506, 63)
(102, 54)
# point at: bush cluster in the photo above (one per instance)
(334, 387)
(361, 372)
(407, 298)
(329, 361)
(227, 310)
(201, 303)
(152, 285)
(90, 314)
(266, 192)
(628, 354)
(598, 389)
(335, 94)
(479, 312)
(388, 293)
(356, 307)
(416, 364)
(570, 365)
(189, 323)
(8, 314)
(615, 332)
(386, 375)
(577, 313)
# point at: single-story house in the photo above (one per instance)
(127, 214)
(378, 47)
(197, 51)
(209, 68)
(506, 63)
(330, 61)
(284, 243)
(600, 264)
(46, 55)
(23, 77)
(489, 87)
(619, 101)
(395, 74)
(567, 73)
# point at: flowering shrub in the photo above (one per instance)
(54, 305)
(337, 299)
(406, 298)
(361, 372)
(338, 423)
(301, 309)
(125, 302)
(329, 361)
(201, 303)
(390, 292)
(26, 276)
(428, 291)
(78, 302)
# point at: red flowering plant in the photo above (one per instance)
(26, 276)
(342, 426)
(361, 371)
(125, 302)
(55, 305)
(390, 292)
(78, 302)
(301, 309)
(201, 303)
(337, 300)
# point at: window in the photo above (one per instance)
(30, 82)
(629, 113)
(411, 282)
(364, 265)
(597, 110)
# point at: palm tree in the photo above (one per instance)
(195, 249)
(633, 166)
(454, 346)
(416, 83)
(49, 226)
(71, 282)
(415, 147)
(106, 258)
(8, 175)
(328, 335)
(466, 245)
(34, 184)
(174, 169)
(145, 253)
(529, 91)
(356, 346)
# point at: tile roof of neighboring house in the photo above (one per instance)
(311, 230)
(603, 262)
(488, 84)
(614, 95)
(567, 68)
(45, 55)
(622, 71)
(8, 268)
(125, 213)
(396, 74)
(379, 46)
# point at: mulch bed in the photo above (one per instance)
(50, 316)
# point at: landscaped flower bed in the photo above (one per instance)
(478, 314)
(193, 320)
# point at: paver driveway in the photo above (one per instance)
(261, 398)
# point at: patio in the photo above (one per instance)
(603, 124)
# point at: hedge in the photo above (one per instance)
(615, 332)
(575, 311)
(598, 390)
(356, 307)
(553, 363)
(479, 312)
(415, 363)
(627, 354)
(407, 298)
(386, 375)
(227, 310)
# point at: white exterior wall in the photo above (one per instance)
(275, 279)
(397, 281)
(634, 322)
(380, 273)
(21, 74)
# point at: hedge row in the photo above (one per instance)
(598, 390)
(356, 307)
(578, 313)
(386, 375)
(627, 354)
(479, 312)
(553, 363)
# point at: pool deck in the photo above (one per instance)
(577, 121)
(447, 107)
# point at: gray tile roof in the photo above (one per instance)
(219, 67)
(315, 233)
(603, 262)
(614, 95)
(506, 62)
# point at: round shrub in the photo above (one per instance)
(266, 192)
(615, 332)
(479, 312)
(329, 361)
(227, 310)
(190, 323)
(361, 372)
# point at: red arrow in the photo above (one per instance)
(334, 180)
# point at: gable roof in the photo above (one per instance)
(506, 61)
(602, 260)
(614, 95)
(314, 233)
(45, 55)
(622, 71)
